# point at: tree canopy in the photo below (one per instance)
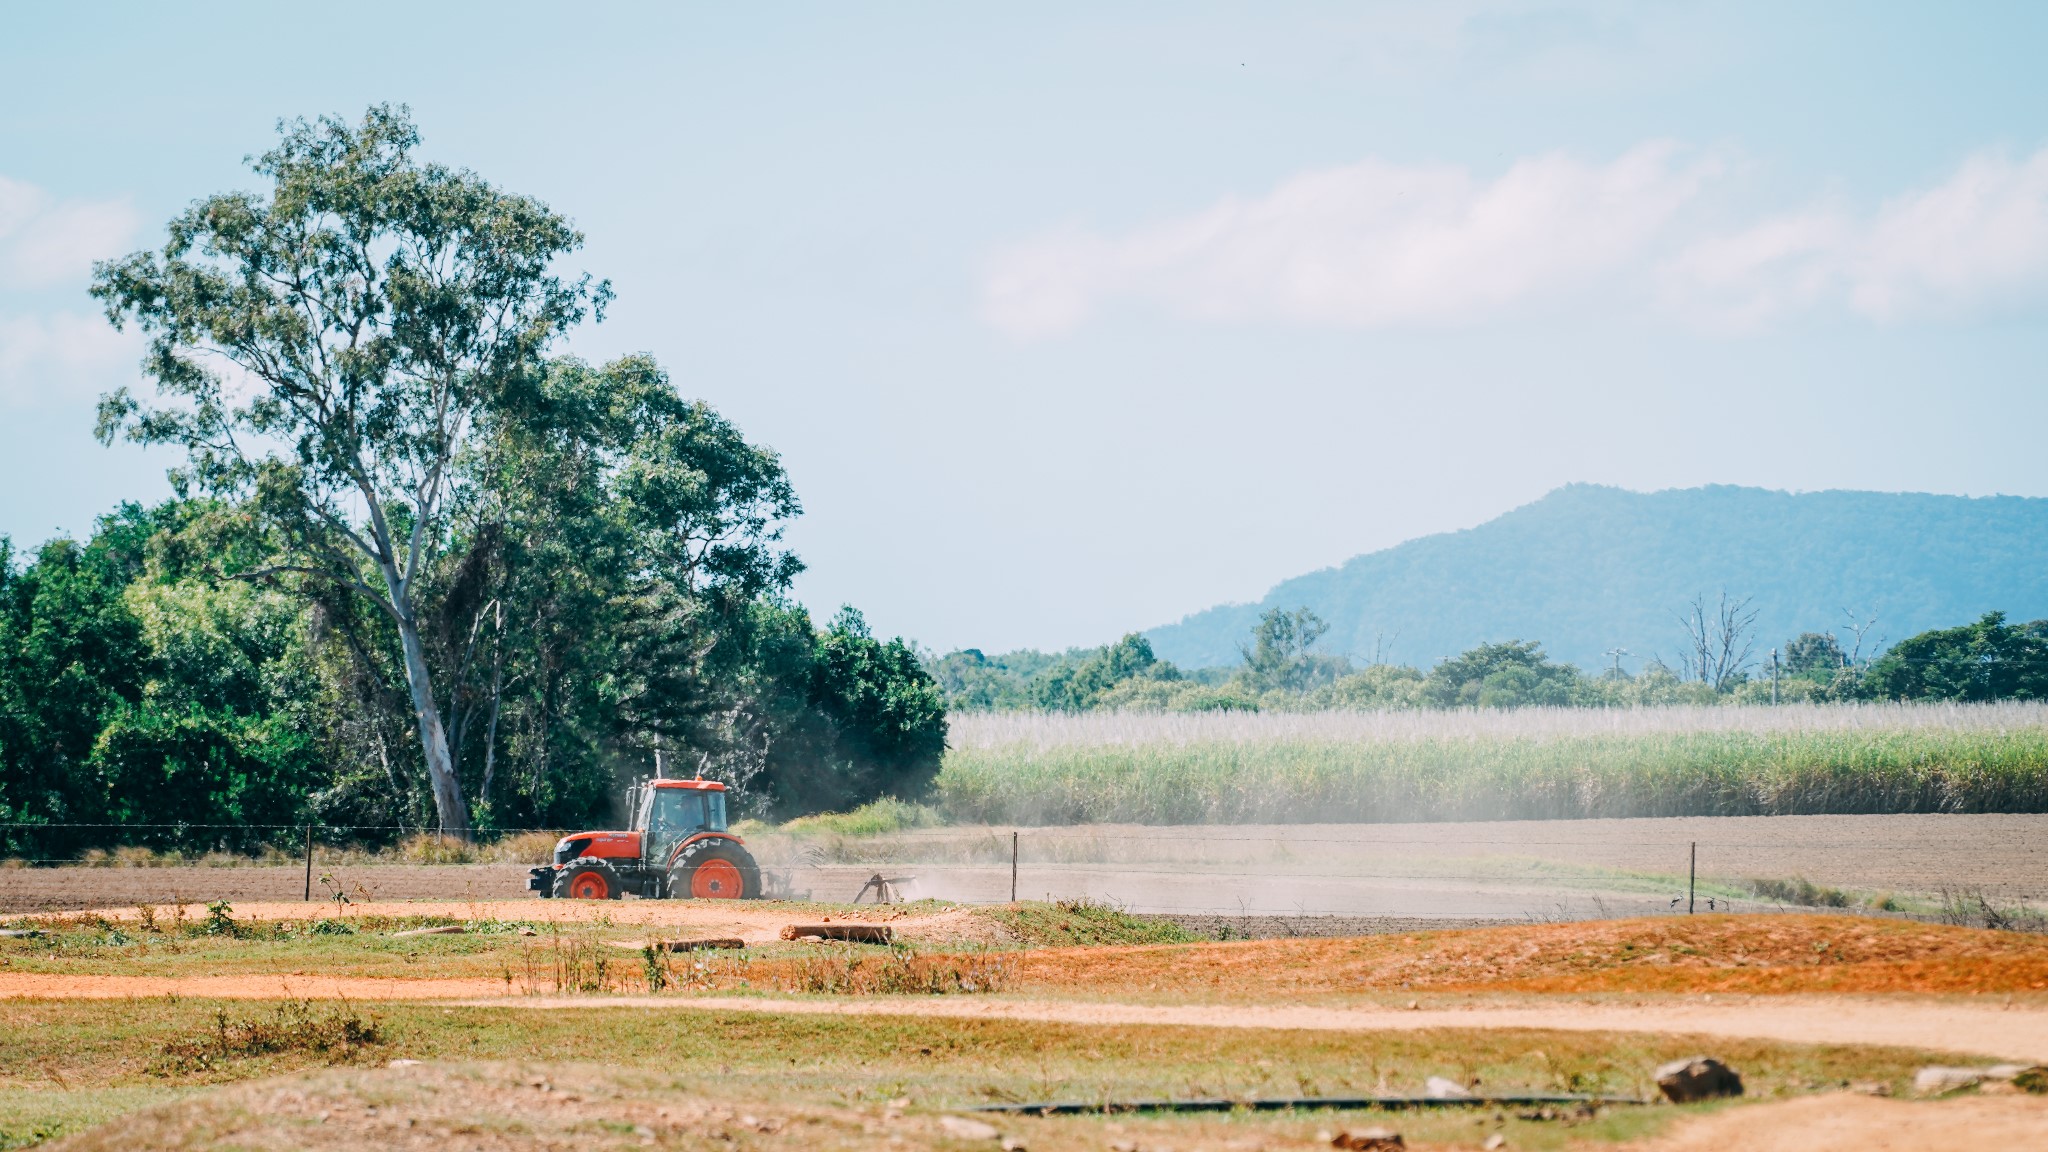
(327, 353)
(1985, 660)
(420, 571)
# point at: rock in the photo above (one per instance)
(1494, 1142)
(1697, 1078)
(1936, 1080)
(1438, 1088)
(965, 1129)
(1367, 1139)
(1012, 1144)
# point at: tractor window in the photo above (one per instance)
(686, 810)
(676, 811)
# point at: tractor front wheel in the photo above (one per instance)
(714, 869)
(588, 880)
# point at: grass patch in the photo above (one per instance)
(1802, 892)
(335, 1034)
(39, 1113)
(1068, 923)
(214, 943)
(873, 819)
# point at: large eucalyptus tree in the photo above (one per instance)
(325, 353)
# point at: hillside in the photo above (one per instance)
(1588, 568)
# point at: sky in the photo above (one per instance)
(1069, 320)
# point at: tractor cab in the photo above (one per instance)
(672, 811)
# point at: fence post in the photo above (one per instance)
(1013, 866)
(309, 862)
(1692, 878)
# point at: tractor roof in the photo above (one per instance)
(693, 785)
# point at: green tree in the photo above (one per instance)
(829, 720)
(1079, 685)
(1511, 674)
(1815, 655)
(1279, 657)
(1986, 660)
(331, 350)
(133, 694)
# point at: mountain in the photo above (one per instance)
(1588, 568)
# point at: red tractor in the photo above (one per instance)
(678, 849)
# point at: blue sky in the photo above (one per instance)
(1069, 320)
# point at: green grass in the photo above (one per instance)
(1458, 767)
(873, 819)
(362, 946)
(102, 1062)
(1069, 923)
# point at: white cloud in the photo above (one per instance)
(1378, 244)
(1371, 244)
(45, 241)
(1977, 239)
(51, 351)
(62, 356)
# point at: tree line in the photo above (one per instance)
(420, 570)
(1281, 669)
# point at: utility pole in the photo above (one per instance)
(1774, 675)
(1013, 866)
(1616, 654)
(1692, 878)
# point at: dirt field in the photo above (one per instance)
(186, 1036)
(496, 1107)
(1510, 870)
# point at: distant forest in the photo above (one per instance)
(1281, 668)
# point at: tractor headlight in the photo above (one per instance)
(570, 848)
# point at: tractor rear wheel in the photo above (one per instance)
(714, 869)
(588, 880)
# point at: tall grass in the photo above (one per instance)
(1495, 765)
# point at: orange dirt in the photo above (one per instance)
(1840, 1123)
(1756, 954)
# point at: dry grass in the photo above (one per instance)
(982, 730)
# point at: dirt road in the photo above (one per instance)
(1985, 1030)
(1988, 1031)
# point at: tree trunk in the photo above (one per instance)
(448, 802)
(483, 798)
